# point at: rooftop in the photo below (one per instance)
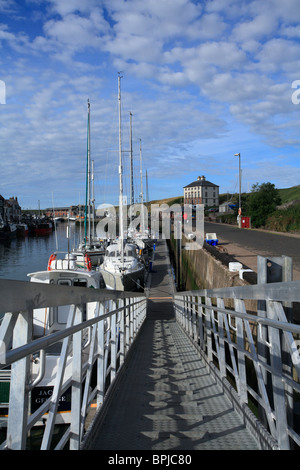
(201, 181)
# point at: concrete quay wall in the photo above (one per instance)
(208, 268)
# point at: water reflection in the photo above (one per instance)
(21, 256)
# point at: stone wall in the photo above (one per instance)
(208, 268)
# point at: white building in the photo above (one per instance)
(202, 192)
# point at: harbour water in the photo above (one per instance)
(21, 256)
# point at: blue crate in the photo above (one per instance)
(212, 242)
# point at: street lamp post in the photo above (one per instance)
(240, 202)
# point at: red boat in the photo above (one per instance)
(43, 228)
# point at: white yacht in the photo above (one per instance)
(90, 245)
(121, 258)
(123, 269)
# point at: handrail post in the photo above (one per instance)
(130, 324)
(113, 344)
(208, 313)
(222, 365)
(201, 327)
(76, 385)
(100, 360)
(127, 326)
(240, 306)
(122, 331)
(19, 386)
(135, 312)
(274, 269)
(278, 384)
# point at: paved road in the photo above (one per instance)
(247, 244)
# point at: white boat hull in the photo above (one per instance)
(130, 281)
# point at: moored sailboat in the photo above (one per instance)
(121, 259)
(90, 245)
(123, 271)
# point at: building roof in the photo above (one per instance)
(201, 181)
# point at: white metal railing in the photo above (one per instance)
(97, 347)
(257, 355)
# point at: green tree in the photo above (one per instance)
(262, 201)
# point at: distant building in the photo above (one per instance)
(10, 209)
(226, 207)
(70, 211)
(201, 192)
(2, 201)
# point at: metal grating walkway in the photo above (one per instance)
(166, 398)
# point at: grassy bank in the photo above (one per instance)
(284, 220)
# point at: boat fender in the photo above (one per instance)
(88, 262)
(52, 258)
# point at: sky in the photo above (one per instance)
(204, 80)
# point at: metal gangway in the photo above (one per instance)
(165, 370)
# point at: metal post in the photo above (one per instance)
(208, 313)
(278, 384)
(220, 304)
(127, 327)
(76, 385)
(122, 331)
(274, 269)
(100, 361)
(19, 396)
(240, 191)
(113, 344)
(46, 442)
(242, 385)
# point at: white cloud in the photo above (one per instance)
(279, 55)
(195, 73)
(259, 27)
(67, 7)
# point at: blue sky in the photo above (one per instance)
(204, 80)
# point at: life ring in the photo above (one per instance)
(52, 258)
(88, 262)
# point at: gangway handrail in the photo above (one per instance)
(281, 291)
(118, 316)
(261, 341)
(280, 325)
(38, 295)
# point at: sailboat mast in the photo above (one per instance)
(141, 173)
(87, 190)
(131, 165)
(89, 172)
(147, 189)
(93, 200)
(142, 195)
(121, 228)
